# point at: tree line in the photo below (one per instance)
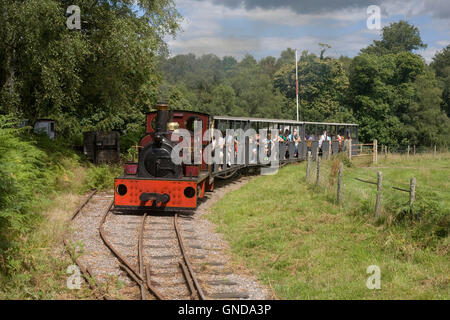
(101, 77)
(110, 73)
(387, 88)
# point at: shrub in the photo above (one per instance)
(24, 174)
(100, 177)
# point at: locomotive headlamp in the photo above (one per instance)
(172, 126)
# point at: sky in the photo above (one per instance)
(267, 27)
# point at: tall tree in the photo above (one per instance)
(397, 100)
(428, 124)
(93, 78)
(286, 57)
(441, 65)
(323, 84)
(397, 37)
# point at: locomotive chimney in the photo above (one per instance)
(162, 117)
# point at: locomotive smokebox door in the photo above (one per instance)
(102, 147)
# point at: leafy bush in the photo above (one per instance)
(428, 220)
(31, 171)
(100, 177)
(25, 177)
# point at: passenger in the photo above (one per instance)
(340, 139)
(323, 138)
(286, 135)
(282, 137)
(229, 147)
(254, 142)
(273, 151)
(267, 146)
(294, 137)
(286, 142)
(310, 140)
(221, 144)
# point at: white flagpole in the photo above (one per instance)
(296, 78)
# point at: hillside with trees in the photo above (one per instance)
(388, 89)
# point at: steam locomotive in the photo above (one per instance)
(156, 183)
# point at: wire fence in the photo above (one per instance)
(322, 176)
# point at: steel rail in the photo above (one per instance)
(188, 279)
(132, 272)
(149, 285)
(74, 215)
(187, 263)
(140, 255)
(87, 273)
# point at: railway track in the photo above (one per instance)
(142, 272)
(162, 257)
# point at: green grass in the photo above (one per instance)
(295, 238)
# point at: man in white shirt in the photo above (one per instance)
(323, 138)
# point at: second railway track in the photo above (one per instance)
(154, 256)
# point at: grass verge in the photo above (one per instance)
(296, 239)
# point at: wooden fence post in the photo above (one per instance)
(361, 148)
(308, 165)
(407, 157)
(339, 183)
(318, 171)
(414, 150)
(412, 192)
(379, 189)
(329, 150)
(434, 153)
(375, 151)
(350, 149)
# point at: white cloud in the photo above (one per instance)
(221, 46)
(443, 43)
(428, 53)
(263, 46)
(281, 16)
(205, 23)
